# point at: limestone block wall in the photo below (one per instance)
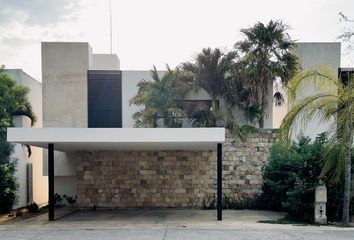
(171, 179)
(146, 179)
(243, 162)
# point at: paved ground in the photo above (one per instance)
(164, 225)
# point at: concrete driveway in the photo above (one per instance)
(165, 224)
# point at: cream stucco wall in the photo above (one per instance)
(40, 186)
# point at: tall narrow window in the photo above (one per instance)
(104, 99)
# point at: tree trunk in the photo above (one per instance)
(261, 120)
(263, 108)
(347, 180)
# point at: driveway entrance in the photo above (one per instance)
(165, 225)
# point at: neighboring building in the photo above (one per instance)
(311, 55)
(32, 184)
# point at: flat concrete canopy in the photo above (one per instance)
(69, 139)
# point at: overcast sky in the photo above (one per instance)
(156, 32)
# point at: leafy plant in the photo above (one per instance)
(209, 71)
(13, 101)
(266, 55)
(70, 199)
(291, 176)
(58, 200)
(159, 99)
(332, 103)
(8, 186)
(230, 202)
(33, 208)
(209, 203)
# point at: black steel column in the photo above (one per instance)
(219, 181)
(51, 197)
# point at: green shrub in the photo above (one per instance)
(33, 208)
(70, 199)
(291, 176)
(8, 187)
(13, 101)
(230, 202)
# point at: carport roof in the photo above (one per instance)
(69, 139)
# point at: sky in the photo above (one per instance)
(157, 32)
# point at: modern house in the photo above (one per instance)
(94, 153)
(99, 157)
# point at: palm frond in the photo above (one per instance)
(320, 78)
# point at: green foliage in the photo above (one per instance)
(70, 199)
(333, 104)
(13, 101)
(291, 176)
(229, 202)
(204, 118)
(8, 186)
(159, 98)
(209, 70)
(239, 78)
(209, 203)
(266, 54)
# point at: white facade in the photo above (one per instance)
(39, 182)
(130, 80)
(311, 55)
(105, 62)
(65, 69)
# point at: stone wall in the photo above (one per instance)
(243, 162)
(176, 179)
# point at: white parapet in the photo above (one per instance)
(70, 139)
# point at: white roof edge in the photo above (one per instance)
(169, 138)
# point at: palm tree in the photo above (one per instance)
(13, 101)
(159, 98)
(332, 103)
(267, 54)
(209, 71)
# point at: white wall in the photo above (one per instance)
(130, 80)
(201, 94)
(66, 185)
(105, 62)
(40, 182)
(310, 56)
(20, 155)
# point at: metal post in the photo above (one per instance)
(51, 197)
(219, 181)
